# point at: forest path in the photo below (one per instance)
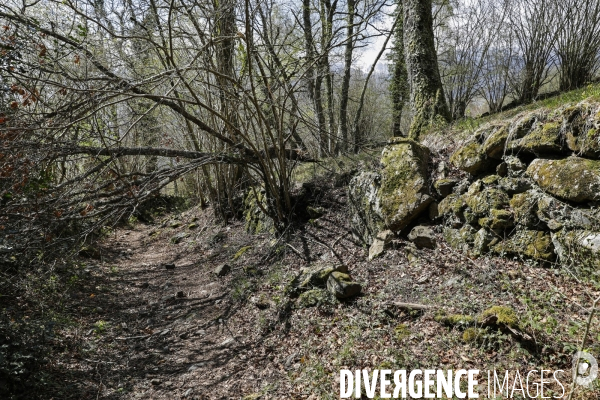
(159, 333)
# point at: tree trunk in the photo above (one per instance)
(399, 84)
(427, 98)
(349, 47)
(313, 80)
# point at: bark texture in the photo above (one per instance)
(427, 98)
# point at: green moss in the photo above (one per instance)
(453, 203)
(494, 145)
(471, 335)
(401, 332)
(498, 219)
(241, 252)
(490, 179)
(470, 158)
(488, 199)
(575, 179)
(313, 297)
(504, 315)
(528, 243)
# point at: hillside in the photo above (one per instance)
(146, 315)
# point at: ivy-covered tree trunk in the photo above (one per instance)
(427, 98)
(399, 83)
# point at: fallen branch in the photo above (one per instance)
(413, 306)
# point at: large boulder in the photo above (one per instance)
(404, 192)
(574, 179)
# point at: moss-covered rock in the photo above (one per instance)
(497, 219)
(490, 180)
(524, 207)
(582, 134)
(528, 243)
(514, 185)
(364, 204)
(575, 179)
(557, 214)
(499, 315)
(404, 191)
(484, 239)
(481, 203)
(470, 158)
(495, 143)
(444, 186)
(316, 276)
(460, 239)
(454, 203)
(578, 247)
(256, 219)
(515, 166)
(544, 138)
(342, 286)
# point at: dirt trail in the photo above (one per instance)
(162, 333)
(148, 332)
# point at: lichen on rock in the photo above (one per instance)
(404, 191)
(529, 244)
(470, 158)
(574, 179)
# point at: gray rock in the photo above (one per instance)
(380, 244)
(222, 270)
(315, 276)
(579, 247)
(179, 237)
(483, 240)
(515, 166)
(514, 185)
(364, 204)
(422, 236)
(444, 186)
(342, 286)
(574, 179)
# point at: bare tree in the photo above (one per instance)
(535, 25)
(578, 43)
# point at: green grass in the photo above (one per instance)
(466, 126)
